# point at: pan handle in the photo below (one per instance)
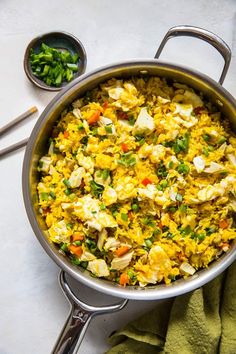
(79, 318)
(207, 36)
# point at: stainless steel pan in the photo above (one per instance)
(37, 146)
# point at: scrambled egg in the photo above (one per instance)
(139, 182)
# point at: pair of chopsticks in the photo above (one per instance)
(12, 125)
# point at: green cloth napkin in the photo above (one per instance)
(200, 322)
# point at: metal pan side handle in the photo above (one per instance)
(78, 320)
(207, 36)
(73, 331)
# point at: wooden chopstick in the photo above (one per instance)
(17, 120)
(13, 147)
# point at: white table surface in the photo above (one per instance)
(32, 306)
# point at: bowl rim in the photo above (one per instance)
(157, 291)
(39, 83)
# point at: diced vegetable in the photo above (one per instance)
(148, 243)
(205, 151)
(124, 217)
(94, 118)
(108, 128)
(105, 174)
(66, 134)
(77, 237)
(146, 181)
(52, 195)
(140, 139)
(224, 224)
(148, 220)
(124, 279)
(183, 208)
(67, 191)
(183, 168)
(52, 65)
(161, 170)
(92, 245)
(135, 207)
(179, 197)
(66, 182)
(206, 137)
(64, 247)
(44, 196)
(181, 144)
(96, 189)
(131, 120)
(77, 250)
(127, 159)
(124, 147)
(222, 140)
(122, 250)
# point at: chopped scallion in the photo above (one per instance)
(124, 217)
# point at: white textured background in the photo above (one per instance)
(32, 307)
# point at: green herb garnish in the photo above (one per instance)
(96, 189)
(44, 196)
(206, 137)
(52, 195)
(179, 197)
(183, 169)
(124, 217)
(181, 144)
(105, 174)
(108, 128)
(66, 182)
(53, 66)
(161, 170)
(127, 159)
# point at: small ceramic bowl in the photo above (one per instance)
(58, 40)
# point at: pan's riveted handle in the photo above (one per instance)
(78, 320)
(207, 36)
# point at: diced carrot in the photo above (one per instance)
(146, 181)
(160, 225)
(94, 118)
(66, 134)
(46, 210)
(124, 279)
(77, 250)
(130, 214)
(77, 237)
(121, 251)
(105, 105)
(223, 224)
(124, 147)
(122, 115)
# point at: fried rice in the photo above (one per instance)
(139, 182)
